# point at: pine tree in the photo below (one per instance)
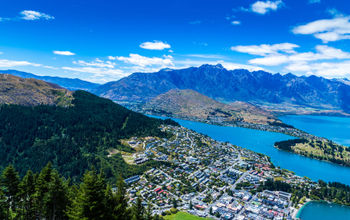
(90, 203)
(10, 182)
(42, 189)
(138, 210)
(57, 197)
(121, 203)
(148, 213)
(27, 196)
(4, 208)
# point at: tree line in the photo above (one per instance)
(48, 195)
(332, 191)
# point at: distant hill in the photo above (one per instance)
(73, 138)
(190, 104)
(31, 92)
(68, 83)
(258, 87)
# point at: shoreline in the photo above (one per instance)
(290, 131)
(296, 214)
(267, 130)
(323, 160)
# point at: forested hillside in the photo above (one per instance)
(48, 195)
(73, 138)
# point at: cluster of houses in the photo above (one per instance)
(209, 179)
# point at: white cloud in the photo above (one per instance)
(116, 67)
(35, 15)
(236, 22)
(325, 61)
(13, 63)
(138, 60)
(327, 30)
(98, 74)
(263, 7)
(266, 49)
(63, 53)
(206, 56)
(325, 69)
(97, 63)
(155, 45)
(323, 53)
(97, 70)
(273, 60)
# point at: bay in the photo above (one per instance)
(323, 211)
(336, 129)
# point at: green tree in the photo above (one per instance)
(138, 210)
(27, 196)
(10, 183)
(148, 213)
(120, 201)
(42, 189)
(57, 197)
(91, 202)
(4, 208)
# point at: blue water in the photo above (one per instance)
(263, 141)
(336, 129)
(324, 211)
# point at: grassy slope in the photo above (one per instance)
(191, 104)
(30, 92)
(323, 150)
(183, 216)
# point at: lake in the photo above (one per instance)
(324, 211)
(336, 129)
(263, 142)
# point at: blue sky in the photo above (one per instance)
(105, 40)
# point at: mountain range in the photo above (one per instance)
(286, 94)
(68, 83)
(272, 91)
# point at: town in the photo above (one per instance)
(208, 178)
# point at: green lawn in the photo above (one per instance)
(183, 216)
